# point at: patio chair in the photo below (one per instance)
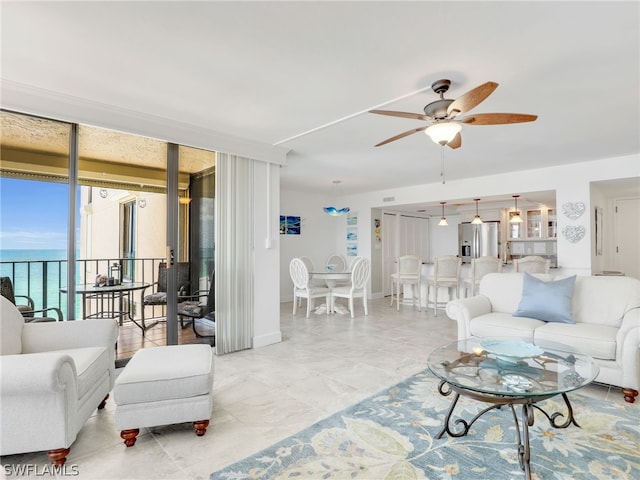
(198, 310)
(28, 311)
(159, 296)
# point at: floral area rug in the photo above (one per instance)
(391, 436)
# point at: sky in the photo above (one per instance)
(33, 214)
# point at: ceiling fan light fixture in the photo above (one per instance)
(515, 217)
(443, 220)
(443, 132)
(477, 220)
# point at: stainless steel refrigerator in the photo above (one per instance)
(476, 241)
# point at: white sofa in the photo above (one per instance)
(606, 311)
(52, 377)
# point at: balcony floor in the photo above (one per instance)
(130, 338)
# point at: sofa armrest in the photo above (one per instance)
(28, 374)
(465, 309)
(628, 348)
(47, 337)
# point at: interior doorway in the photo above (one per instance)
(627, 236)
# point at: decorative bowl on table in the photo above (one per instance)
(331, 267)
(511, 351)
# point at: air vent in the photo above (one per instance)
(388, 199)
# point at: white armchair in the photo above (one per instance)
(52, 378)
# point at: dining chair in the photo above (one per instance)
(446, 273)
(314, 282)
(303, 289)
(339, 263)
(532, 264)
(360, 274)
(408, 272)
(479, 268)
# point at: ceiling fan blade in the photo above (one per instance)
(470, 99)
(456, 142)
(497, 118)
(402, 135)
(417, 116)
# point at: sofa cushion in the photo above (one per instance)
(504, 325)
(12, 322)
(164, 373)
(598, 341)
(91, 364)
(548, 301)
(604, 300)
(505, 289)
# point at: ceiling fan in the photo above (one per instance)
(445, 125)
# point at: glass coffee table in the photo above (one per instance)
(510, 372)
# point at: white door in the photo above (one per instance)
(389, 249)
(402, 235)
(627, 236)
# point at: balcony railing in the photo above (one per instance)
(42, 280)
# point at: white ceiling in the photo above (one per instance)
(309, 72)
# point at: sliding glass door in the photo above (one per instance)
(127, 210)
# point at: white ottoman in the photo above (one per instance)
(162, 386)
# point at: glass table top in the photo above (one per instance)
(511, 367)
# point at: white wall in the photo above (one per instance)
(317, 239)
(444, 240)
(266, 305)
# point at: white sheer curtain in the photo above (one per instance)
(234, 253)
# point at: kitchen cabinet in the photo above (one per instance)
(536, 223)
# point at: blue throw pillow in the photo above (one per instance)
(548, 301)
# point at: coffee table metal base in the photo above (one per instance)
(522, 428)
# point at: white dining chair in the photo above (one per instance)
(408, 272)
(339, 263)
(360, 274)
(446, 273)
(479, 268)
(302, 288)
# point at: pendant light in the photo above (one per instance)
(477, 220)
(443, 219)
(515, 218)
(333, 211)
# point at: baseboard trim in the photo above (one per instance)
(267, 339)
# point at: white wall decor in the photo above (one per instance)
(573, 233)
(572, 210)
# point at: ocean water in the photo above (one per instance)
(28, 267)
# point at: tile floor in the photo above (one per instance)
(323, 364)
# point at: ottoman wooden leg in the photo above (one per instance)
(200, 426)
(129, 436)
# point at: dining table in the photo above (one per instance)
(331, 278)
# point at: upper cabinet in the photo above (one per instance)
(536, 223)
